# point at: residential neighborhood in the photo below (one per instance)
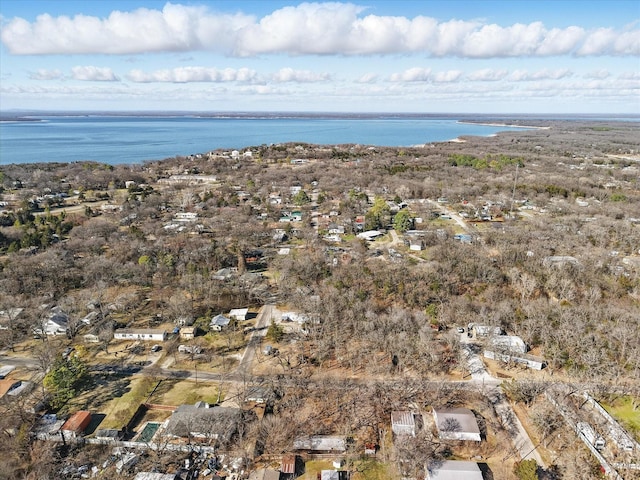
(327, 312)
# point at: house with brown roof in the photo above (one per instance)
(76, 424)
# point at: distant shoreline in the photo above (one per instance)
(509, 125)
(486, 119)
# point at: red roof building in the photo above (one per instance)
(77, 423)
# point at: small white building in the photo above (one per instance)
(454, 470)
(239, 314)
(403, 423)
(321, 443)
(486, 330)
(144, 334)
(193, 349)
(456, 424)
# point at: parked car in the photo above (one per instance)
(156, 348)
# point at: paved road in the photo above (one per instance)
(259, 331)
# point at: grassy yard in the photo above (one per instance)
(627, 411)
(178, 392)
(368, 469)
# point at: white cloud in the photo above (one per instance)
(598, 74)
(487, 75)
(368, 78)
(447, 77)
(174, 28)
(44, 74)
(544, 74)
(300, 76)
(630, 76)
(308, 28)
(193, 74)
(415, 74)
(93, 74)
(560, 41)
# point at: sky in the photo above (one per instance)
(421, 56)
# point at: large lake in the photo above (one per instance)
(134, 139)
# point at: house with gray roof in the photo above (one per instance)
(204, 422)
(219, 322)
(456, 424)
(454, 470)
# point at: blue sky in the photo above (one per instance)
(515, 56)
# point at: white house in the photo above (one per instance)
(321, 443)
(370, 234)
(486, 330)
(144, 334)
(193, 349)
(403, 423)
(456, 424)
(508, 344)
(454, 470)
(55, 324)
(239, 314)
(530, 361)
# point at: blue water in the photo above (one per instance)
(134, 139)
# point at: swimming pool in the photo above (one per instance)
(148, 432)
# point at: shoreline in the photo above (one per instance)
(507, 125)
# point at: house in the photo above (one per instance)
(108, 435)
(370, 448)
(76, 424)
(403, 423)
(154, 476)
(8, 316)
(335, 229)
(6, 385)
(485, 330)
(91, 338)
(202, 421)
(454, 470)
(288, 465)
(20, 387)
(321, 443)
(193, 349)
(416, 244)
(333, 475)
(144, 334)
(456, 424)
(218, 323)
(48, 427)
(239, 314)
(530, 361)
(370, 235)
(54, 324)
(185, 216)
(264, 474)
(225, 273)
(508, 344)
(6, 370)
(188, 333)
